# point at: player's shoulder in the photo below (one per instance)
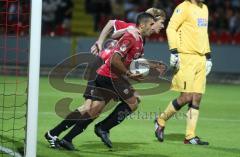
(129, 39)
(129, 36)
(204, 6)
(120, 21)
(182, 7)
(184, 4)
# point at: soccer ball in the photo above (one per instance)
(140, 66)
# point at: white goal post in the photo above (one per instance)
(33, 84)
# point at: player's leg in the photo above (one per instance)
(192, 119)
(193, 112)
(101, 95)
(122, 110)
(173, 107)
(73, 117)
(118, 115)
(182, 82)
(90, 113)
(69, 121)
(128, 105)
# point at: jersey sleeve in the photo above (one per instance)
(179, 16)
(118, 25)
(124, 45)
(208, 49)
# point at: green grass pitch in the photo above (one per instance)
(219, 123)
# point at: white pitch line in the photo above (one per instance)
(9, 152)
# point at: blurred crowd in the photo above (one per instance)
(224, 19)
(56, 17)
(14, 17)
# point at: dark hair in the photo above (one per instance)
(143, 18)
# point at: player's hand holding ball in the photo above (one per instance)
(136, 77)
(139, 69)
(174, 59)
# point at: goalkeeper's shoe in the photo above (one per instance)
(159, 131)
(67, 145)
(104, 135)
(52, 140)
(196, 141)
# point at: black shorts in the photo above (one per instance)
(90, 75)
(107, 89)
(89, 90)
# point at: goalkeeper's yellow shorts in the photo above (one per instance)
(191, 76)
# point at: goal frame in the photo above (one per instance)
(33, 76)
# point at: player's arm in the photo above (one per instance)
(208, 50)
(131, 29)
(118, 64)
(124, 46)
(178, 17)
(103, 35)
(208, 54)
(208, 57)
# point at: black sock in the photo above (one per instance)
(176, 105)
(190, 105)
(116, 117)
(69, 121)
(79, 127)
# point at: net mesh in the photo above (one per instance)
(14, 52)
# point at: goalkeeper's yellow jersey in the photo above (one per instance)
(188, 29)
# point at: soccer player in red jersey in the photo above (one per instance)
(109, 84)
(119, 28)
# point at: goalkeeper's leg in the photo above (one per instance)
(192, 119)
(171, 109)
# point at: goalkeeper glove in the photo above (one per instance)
(208, 63)
(174, 59)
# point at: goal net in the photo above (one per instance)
(14, 78)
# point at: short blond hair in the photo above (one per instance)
(157, 13)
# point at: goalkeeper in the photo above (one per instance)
(188, 41)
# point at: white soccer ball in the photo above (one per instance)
(140, 66)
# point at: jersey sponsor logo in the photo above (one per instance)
(123, 47)
(202, 22)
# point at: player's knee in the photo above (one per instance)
(133, 103)
(189, 98)
(185, 98)
(197, 98)
(86, 106)
(95, 108)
